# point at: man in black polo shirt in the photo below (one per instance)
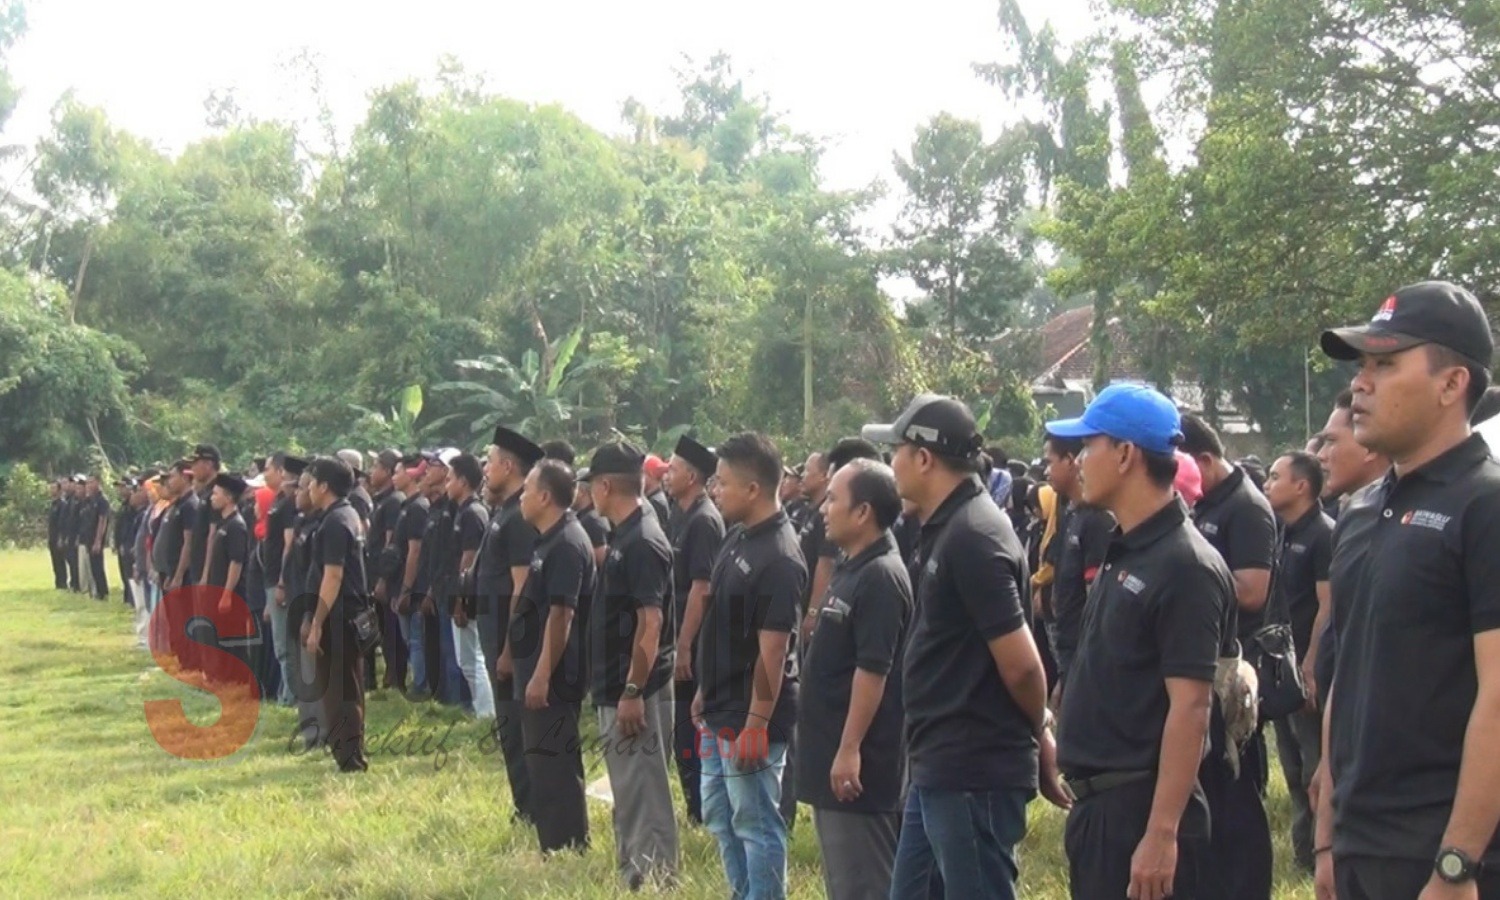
(849, 718)
(385, 513)
(93, 525)
(471, 521)
(227, 564)
(403, 574)
(337, 574)
(1136, 711)
(1300, 596)
(631, 659)
(437, 583)
(282, 473)
(547, 653)
(594, 525)
(1413, 715)
(1081, 539)
(206, 465)
(1235, 517)
(745, 700)
(792, 499)
(975, 690)
(499, 576)
(72, 500)
(697, 535)
(55, 513)
(124, 539)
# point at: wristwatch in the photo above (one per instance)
(632, 691)
(1455, 866)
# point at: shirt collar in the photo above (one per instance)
(882, 545)
(557, 528)
(967, 490)
(1161, 523)
(1223, 489)
(771, 524)
(1450, 466)
(1305, 522)
(628, 527)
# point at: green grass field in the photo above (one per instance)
(93, 806)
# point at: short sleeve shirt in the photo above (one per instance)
(1154, 612)
(964, 731)
(469, 523)
(1405, 680)
(202, 525)
(175, 530)
(337, 542)
(698, 535)
(508, 544)
(1237, 520)
(94, 510)
(758, 584)
(637, 575)
(1306, 548)
(595, 527)
(231, 544)
(1081, 544)
(411, 526)
(861, 626)
(281, 517)
(383, 519)
(562, 575)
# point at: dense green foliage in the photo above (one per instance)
(278, 284)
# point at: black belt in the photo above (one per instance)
(1094, 785)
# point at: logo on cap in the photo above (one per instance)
(1387, 309)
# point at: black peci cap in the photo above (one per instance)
(940, 424)
(234, 484)
(1431, 312)
(293, 465)
(697, 456)
(518, 445)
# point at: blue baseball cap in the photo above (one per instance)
(1130, 413)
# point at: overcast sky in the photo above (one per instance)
(862, 75)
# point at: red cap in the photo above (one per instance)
(1189, 480)
(655, 466)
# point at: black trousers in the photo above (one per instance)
(331, 701)
(685, 749)
(70, 555)
(788, 805)
(554, 758)
(494, 611)
(101, 581)
(1104, 830)
(126, 563)
(1240, 846)
(1383, 878)
(59, 566)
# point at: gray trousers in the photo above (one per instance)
(859, 851)
(1299, 744)
(85, 568)
(644, 819)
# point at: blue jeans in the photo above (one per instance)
(966, 838)
(452, 690)
(414, 631)
(742, 811)
(283, 641)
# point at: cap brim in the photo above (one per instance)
(1071, 428)
(880, 434)
(1348, 344)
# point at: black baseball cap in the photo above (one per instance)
(1430, 312)
(617, 458)
(388, 459)
(207, 452)
(940, 424)
(698, 456)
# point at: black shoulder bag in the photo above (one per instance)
(1282, 691)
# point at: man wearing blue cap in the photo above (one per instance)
(1136, 712)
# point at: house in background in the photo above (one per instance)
(1061, 359)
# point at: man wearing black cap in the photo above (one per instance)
(1411, 790)
(500, 574)
(403, 573)
(745, 700)
(228, 554)
(385, 514)
(55, 545)
(978, 729)
(547, 650)
(1237, 520)
(697, 535)
(1135, 712)
(206, 465)
(631, 660)
(594, 524)
(849, 721)
(170, 551)
(337, 574)
(282, 472)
